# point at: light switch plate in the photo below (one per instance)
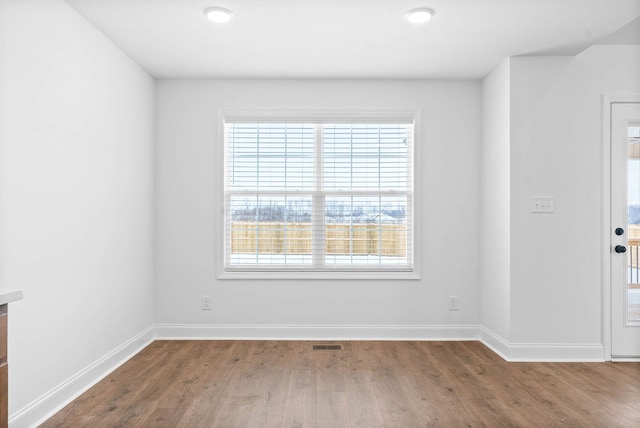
(542, 204)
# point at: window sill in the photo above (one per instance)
(315, 275)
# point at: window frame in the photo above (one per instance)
(317, 116)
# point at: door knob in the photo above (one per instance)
(619, 231)
(620, 249)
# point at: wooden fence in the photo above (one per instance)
(341, 239)
(633, 250)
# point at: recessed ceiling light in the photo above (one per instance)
(218, 15)
(419, 15)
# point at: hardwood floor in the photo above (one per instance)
(367, 384)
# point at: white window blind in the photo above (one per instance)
(318, 196)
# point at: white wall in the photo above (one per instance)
(76, 194)
(542, 291)
(495, 209)
(556, 150)
(188, 202)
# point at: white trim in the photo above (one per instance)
(221, 259)
(542, 352)
(605, 247)
(51, 402)
(415, 239)
(494, 342)
(556, 352)
(353, 275)
(316, 332)
(290, 115)
(605, 238)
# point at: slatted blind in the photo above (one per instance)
(318, 196)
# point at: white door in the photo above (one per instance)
(625, 229)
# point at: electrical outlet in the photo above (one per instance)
(542, 204)
(206, 303)
(453, 303)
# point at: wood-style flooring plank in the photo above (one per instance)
(364, 410)
(268, 412)
(368, 384)
(329, 380)
(301, 405)
(204, 406)
(233, 416)
(332, 410)
(392, 400)
(161, 418)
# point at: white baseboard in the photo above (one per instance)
(50, 403)
(316, 332)
(495, 343)
(542, 352)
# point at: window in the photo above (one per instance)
(318, 195)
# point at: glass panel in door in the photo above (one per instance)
(633, 202)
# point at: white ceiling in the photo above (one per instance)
(349, 38)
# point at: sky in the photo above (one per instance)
(634, 182)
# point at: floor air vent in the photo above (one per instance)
(327, 347)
